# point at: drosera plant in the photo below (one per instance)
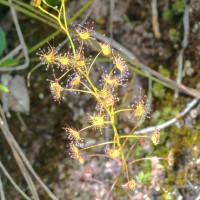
(76, 71)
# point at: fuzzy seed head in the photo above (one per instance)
(130, 185)
(56, 90)
(155, 137)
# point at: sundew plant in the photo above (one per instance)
(72, 72)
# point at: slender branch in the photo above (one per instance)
(171, 121)
(22, 42)
(76, 90)
(96, 145)
(13, 182)
(9, 136)
(148, 72)
(133, 136)
(2, 193)
(122, 110)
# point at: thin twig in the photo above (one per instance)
(22, 42)
(113, 185)
(171, 121)
(155, 23)
(6, 131)
(12, 54)
(112, 7)
(20, 164)
(148, 71)
(186, 27)
(13, 182)
(2, 193)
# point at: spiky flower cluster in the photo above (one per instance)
(72, 71)
(98, 121)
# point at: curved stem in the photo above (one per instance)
(50, 6)
(44, 11)
(97, 155)
(123, 110)
(93, 62)
(134, 136)
(64, 74)
(96, 145)
(138, 160)
(76, 90)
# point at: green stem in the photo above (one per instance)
(76, 90)
(123, 110)
(97, 145)
(133, 136)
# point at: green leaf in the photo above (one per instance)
(9, 62)
(2, 41)
(178, 7)
(167, 15)
(162, 70)
(53, 2)
(158, 90)
(3, 88)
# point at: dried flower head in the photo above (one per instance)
(130, 185)
(75, 153)
(113, 153)
(155, 137)
(105, 48)
(56, 90)
(170, 159)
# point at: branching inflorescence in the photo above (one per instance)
(76, 74)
